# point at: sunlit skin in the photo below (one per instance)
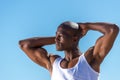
(67, 40)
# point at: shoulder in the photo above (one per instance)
(89, 54)
(53, 57)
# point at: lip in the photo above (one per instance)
(58, 44)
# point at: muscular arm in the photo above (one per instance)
(33, 48)
(105, 42)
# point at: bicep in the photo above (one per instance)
(38, 55)
(103, 45)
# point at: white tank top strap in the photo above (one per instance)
(57, 61)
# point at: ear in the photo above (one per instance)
(75, 38)
(83, 33)
(84, 29)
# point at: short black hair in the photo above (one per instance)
(72, 27)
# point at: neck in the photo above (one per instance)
(71, 54)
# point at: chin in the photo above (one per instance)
(59, 49)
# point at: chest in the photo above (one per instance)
(65, 64)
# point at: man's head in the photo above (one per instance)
(67, 36)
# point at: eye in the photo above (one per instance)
(59, 36)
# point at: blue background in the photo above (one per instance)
(20, 19)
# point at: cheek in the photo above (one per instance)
(66, 40)
(62, 39)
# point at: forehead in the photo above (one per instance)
(63, 31)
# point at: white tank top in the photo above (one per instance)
(81, 71)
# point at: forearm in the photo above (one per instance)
(37, 41)
(101, 27)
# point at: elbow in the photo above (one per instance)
(24, 44)
(114, 29)
(20, 43)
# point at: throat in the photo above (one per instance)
(70, 55)
(71, 58)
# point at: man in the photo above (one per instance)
(75, 65)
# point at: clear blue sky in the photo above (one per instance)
(20, 19)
